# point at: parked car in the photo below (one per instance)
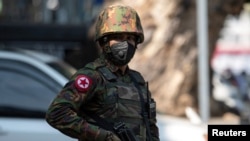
(29, 81)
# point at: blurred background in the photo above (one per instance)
(43, 42)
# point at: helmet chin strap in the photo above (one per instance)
(107, 48)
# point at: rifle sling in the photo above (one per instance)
(143, 113)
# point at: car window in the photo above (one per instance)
(25, 90)
(65, 69)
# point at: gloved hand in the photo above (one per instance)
(112, 137)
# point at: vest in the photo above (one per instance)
(122, 101)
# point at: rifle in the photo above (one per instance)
(124, 133)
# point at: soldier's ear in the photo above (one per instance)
(103, 41)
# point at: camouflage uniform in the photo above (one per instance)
(102, 89)
(111, 95)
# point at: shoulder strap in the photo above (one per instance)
(107, 73)
(137, 77)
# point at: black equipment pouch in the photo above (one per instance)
(124, 133)
(152, 109)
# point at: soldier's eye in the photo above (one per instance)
(131, 38)
(115, 37)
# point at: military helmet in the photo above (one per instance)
(119, 19)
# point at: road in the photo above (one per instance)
(181, 129)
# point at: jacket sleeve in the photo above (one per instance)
(63, 113)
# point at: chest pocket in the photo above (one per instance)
(128, 103)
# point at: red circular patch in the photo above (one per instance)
(83, 83)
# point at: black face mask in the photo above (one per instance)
(121, 53)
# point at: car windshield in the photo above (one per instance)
(27, 90)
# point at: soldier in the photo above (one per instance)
(106, 100)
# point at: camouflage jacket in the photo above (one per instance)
(101, 89)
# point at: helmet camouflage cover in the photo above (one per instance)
(119, 19)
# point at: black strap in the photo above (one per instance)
(143, 112)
